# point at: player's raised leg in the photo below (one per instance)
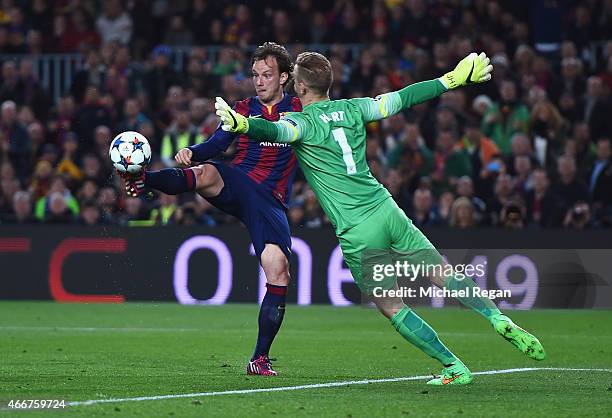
(205, 178)
(171, 181)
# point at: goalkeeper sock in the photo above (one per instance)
(171, 180)
(484, 306)
(418, 332)
(271, 314)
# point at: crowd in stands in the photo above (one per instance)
(530, 149)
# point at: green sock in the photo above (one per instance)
(418, 332)
(484, 306)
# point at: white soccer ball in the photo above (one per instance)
(130, 152)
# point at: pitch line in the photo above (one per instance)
(95, 329)
(319, 385)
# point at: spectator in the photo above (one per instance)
(44, 209)
(423, 213)
(181, 134)
(115, 25)
(462, 214)
(520, 147)
(445, 204)
(8, 188)
(90, 213)
(14, 140)
(160, 77)
(465, 188)
(199, 109)
(177, 34)
(134, 118)
(450, 162)
(58, 211)
(61, 120)
(597, 108)
(201, 19)
(572, 81)
(578, 216)
(22, 209)
(185, 215)
(108, 204)
(92, 114)
(569, 187)
(88, 191)
(481, 105)
(513, 214)
(522, 171)
(32, 93)
(93, 73)
(547, 129)
(67, 165)
(542, 205)
(410, 152)
(600, 180)
(102, 139)
(164, 212)
(503, 194)
(583, 152)
(79, 34)
(479, 148)
(134, 213)
(11, 84)
(506, 118)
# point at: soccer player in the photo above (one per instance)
(255, 187)
(329, 140)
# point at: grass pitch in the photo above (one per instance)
(104, 352)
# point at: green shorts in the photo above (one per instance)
(388, 229)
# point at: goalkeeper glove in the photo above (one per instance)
(472, 69)
(231, 121)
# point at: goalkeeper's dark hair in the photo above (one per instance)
(283, 59)
(314, 70)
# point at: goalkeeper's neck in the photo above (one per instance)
(310, 98)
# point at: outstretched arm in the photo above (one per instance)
(285, 130)
(213, 146)
(472, 69)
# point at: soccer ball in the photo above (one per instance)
(130, 152)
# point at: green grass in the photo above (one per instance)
(80, 352)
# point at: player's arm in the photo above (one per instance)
(289, 129)
(472, 69)
(218, 143)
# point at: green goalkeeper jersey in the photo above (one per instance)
(329, 140)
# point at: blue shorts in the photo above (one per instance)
(256, 207)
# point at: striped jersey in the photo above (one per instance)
(271, 164)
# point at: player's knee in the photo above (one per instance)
(208, 179)
(389, 306)
(275, 265)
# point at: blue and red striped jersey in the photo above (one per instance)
(270, 164)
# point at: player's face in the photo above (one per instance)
(267, 80)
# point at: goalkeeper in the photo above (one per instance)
(329, 140)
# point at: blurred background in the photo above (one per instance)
(530, 150)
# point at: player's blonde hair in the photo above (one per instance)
(315, 71)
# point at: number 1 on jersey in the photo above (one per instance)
(347, 152)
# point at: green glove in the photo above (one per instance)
(472, 69)
(231, 121)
